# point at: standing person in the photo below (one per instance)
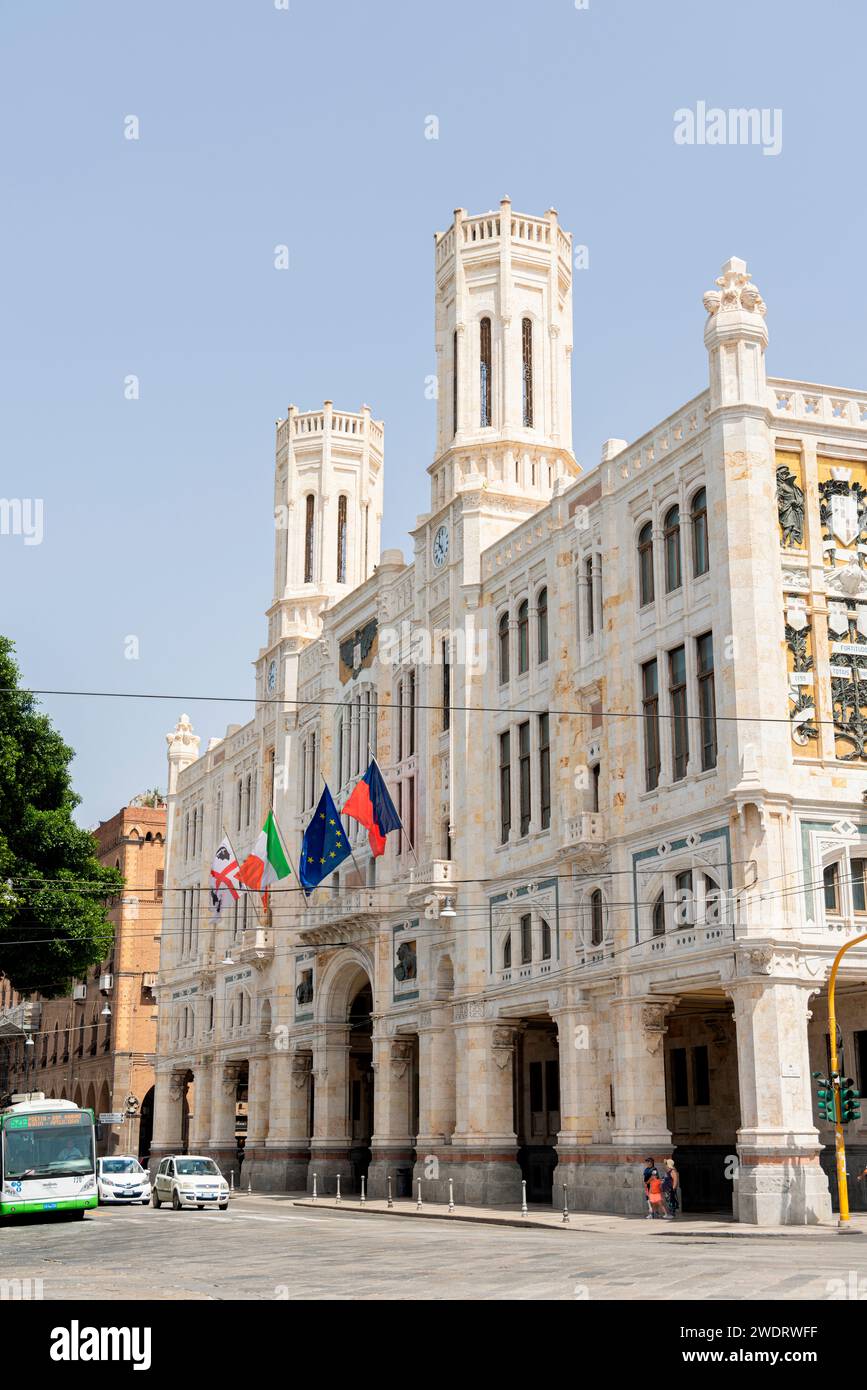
(671, 1187)
(649, 1166)
(655, 1197)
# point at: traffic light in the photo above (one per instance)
(825, 1094)
(850, 1101)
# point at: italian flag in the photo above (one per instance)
(267, 864)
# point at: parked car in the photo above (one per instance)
(121, 1178)
(186, 1180)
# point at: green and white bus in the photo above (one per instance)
(47, 1156)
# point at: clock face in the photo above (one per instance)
(441, 546)
(272, 675)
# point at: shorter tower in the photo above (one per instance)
(327, 514)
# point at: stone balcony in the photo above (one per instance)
(584, 831)
(431, 876)
(330, 919)
(256, 948)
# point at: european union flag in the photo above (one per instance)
(324, 846)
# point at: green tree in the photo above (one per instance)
(53, 890)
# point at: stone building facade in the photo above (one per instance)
(96, 1046)
(622, 715)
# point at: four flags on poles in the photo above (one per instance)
(323, 849)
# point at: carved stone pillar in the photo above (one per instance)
(578, 1048)
(436, 1101)
(639, 1128)
(331, 1142)
(392, 1146)
(168, 1115)
(224, 1090)
(200, 1119)
(483, 1163)
(258, 1112)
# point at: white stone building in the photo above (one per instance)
(622, 715)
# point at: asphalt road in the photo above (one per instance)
(265, 1249)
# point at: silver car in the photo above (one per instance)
(187, 1180)
(121, 1178)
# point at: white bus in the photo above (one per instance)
(47, 1156)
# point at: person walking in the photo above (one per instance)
(671, 1187)
(655, 1197)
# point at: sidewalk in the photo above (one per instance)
(704, 1227)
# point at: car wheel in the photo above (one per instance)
(176, 1201)
(145, 1203)
(78, 1214)
(224, 1206)
(155, 1199)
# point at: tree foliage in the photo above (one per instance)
(53, 890)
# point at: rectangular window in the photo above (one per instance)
(700, 1076)
(410, 796)
(679, 1081)
(505, 787)
(679, 724)
(545, 770)
(650, 710)
(400, 719)
(594, 775)
(400, 816)
(684, 900)
(411, 730)
(858, 899)
(485, 380)
(159, 881)
(524, 774)
(831, 879)
(526, 939)
(589, 597)
(706, 700)
(536, 1093)
(527, 371)
(447, 684)
(860, 1040)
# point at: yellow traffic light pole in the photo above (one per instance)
(842, 1183)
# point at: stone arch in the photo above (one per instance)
(339, 983)
(90, 1103)
(76, 1095)
(104, 1099)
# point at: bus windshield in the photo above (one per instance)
(55, 1152)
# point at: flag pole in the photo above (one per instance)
(373, 759)
(358, 868)
(283, 844)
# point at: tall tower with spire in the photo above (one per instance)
(504, 348)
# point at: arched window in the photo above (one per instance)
(597, 927)
(507, 952)
(503, 645)
(527, 370)
(341, 539)
(659, 916)
(645, 565)
(523, 637)
(671, 532)
(542, 614)
(546, 940)
(700, 554)
(590, 596)
(308, 539)
(485, 381)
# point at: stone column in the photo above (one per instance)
(640, 1127)
(331, 1142)
(168, 1115)
(200, 1119)
(224, 1089)
(779, 1181)
(484, 1145)
(258, 1107)
(586, 1184)
(392, 1146)
(436, 1103)
(287, 1147)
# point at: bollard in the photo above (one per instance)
(315, 1194)
(232, 1182)
(338, 1198)
(523, 1196)
(565, 1204)
(418, 1203)
(388, 1180)
(363, 1197)
(249, 1185)
(451, 1195)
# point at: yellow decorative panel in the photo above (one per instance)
(843, 511)
(802, 678)
(790, 500)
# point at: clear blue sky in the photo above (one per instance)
(260, 126)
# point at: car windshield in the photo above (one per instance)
(197, 1167)
(55, 1152)
(120, 1165)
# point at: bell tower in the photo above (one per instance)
(504, 349)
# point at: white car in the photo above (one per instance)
(121, 1178)
(186, 1180)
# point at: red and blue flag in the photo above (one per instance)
(371, 805)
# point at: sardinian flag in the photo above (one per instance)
(224, 878)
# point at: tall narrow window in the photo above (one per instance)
(308, 539)
(411, 729)
(859, 900)
(447, 684)
(341, 539)
(594, 786)
(650, 710)
(679, 722)
(400, 719)
(485, 372)
(527, 370)
(684, 900)
(524, 774)
(645, 565)
(505, 787)
(523, 638)
(545, 770)
(546, 940)
(671, 534)
(454, 383)
(526, 939)
(503, 645)
(706, 700)
(659, 916)
(589, 596)
(507, 952)
(596, 922)
(831, 880)
(542, 619)
(410, 810)
(700, 554)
